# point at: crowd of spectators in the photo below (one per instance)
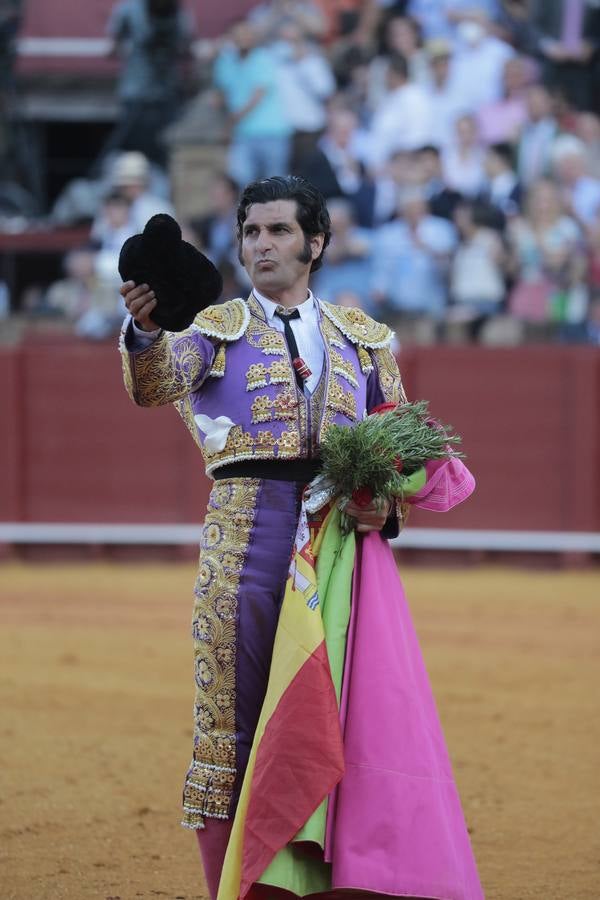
(456, 141)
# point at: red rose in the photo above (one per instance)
(398, 464)
(383, 408)
(362, 496)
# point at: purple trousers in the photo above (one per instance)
(245, 550)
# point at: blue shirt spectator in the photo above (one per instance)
(347, 271)
(410, 259)
(246, 74)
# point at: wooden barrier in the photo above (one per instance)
(75, 449)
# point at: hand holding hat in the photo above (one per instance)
(184, 281)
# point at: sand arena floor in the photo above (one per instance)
(96, 694)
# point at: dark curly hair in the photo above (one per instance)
(312, 214)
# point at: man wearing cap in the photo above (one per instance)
(131, 175)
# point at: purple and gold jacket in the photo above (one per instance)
(231, 378)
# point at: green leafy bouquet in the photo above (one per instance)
(383, 457)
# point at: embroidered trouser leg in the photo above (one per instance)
(245, 552)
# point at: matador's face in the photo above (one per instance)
(274, 249)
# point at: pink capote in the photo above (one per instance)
(395, 823)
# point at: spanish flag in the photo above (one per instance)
(297, 756)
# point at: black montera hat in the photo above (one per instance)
(184, 281)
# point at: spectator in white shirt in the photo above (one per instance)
(537, 136)
(477, 285)
(410, 264)
(403, 119)
(305, 84)
(402, 35)
(463, 160)
(587, 129)
(580, 192)
(130, 175)
(478, 64)
(447, 102)
(502, 120)
(502, 187)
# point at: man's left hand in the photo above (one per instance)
(369, 518)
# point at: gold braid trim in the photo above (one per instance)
(393, 392)
(164, 372)
(223, 551)
(357, 326)
(389, 376)
(225, 321)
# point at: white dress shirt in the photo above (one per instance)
(306, 331)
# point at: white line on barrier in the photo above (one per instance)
(412, 538)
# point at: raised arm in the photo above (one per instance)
(159, 367)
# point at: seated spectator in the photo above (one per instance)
(549, 263)
(534, 145)
(215, 235)
(592, 233)
(462, 160)
(447, 101)
(403, 118)
(268, 18)
(502, 188)
(442, 200)
(130, 177)
(410, 263)
(335, 165)
(347, 266)
(478, 63)
(440, 18)
(112, 230)
(402, 35)
(216, 230)
(89, 304)
(501, 121)
(350, 62)
(113, 226)
(587, 129)
(246, 74)
(580, 192)
(591, 328)
(477, 282)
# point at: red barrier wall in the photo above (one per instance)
(75, 449)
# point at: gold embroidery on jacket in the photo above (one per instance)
(366, 363)
(165, 371)
(256, 376)
(261, 409)
(389, 376)
(217, 370)
(261, 336)
(357, 326)
(225, 321)
(342, 401)
(332, 334)
(279, 372)
(343, 367)
(288, 444)
(284, 407)
(223, 549)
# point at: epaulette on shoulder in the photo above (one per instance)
(224, 321)
(358, 327)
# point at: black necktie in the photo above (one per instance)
(297, 361)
